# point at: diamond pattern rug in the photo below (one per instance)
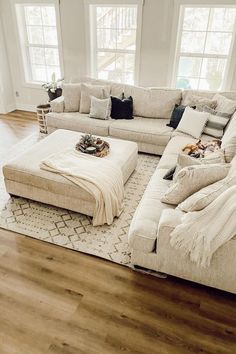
(73, 230)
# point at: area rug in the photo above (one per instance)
(73, 230)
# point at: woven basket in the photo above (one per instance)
(42, 110)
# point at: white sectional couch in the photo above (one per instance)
(153, 220)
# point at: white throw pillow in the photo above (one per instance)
(100, 108)
(207, 195)
(72, 93)
(193, 122)
(193, 178)
(92, 90)
(186, 160)
(224, 104)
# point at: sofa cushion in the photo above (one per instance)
(224, 104)
(92, 90)
(78, 122)
(208, 94)
(151, 131)
(144, 225)
(72, 93)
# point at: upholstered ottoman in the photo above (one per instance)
(23, 176)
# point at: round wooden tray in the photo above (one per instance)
(102, 153)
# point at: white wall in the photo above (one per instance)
(158, 18)
(7, 100)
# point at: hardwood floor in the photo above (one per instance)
(58, 301)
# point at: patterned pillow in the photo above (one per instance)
(200, 102)
(207, 195)
(216, 123)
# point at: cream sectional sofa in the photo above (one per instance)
(153, 220)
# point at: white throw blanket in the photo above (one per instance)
(98, 176)
(201, 233)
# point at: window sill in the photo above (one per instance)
(33, 85)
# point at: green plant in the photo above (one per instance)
(53, 85)
(88, 139)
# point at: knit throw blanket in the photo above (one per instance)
(99, 177)
(201, 233)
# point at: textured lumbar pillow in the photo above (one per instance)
(193, 178)
(100, 108)
(207, 195)
(92, 90)
(72, 93)
(224, 104)
(121, 108)
(216, 123)
(186, 160)
(176, 115)
(193, 122)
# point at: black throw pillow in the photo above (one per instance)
(170, 174)
(176, 115)
(121, 108)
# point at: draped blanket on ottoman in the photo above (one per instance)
(98, 176)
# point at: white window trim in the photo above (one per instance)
(89, 43)
(21, 51)
(179, 6)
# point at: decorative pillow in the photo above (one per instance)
(207, 195)
(224, 104)
(216, 123)
(57, 105)
(200, 102)
(186, 160)
(121, 108)
(176, 115)
(100, 108)
(92, 90)
(193, 178)
(170, 174)
(72, 93)
(193, 122)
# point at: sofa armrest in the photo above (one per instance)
(57, 105)
(169, 219)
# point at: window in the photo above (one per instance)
(204, 47)
(37, 25)
(113, 35)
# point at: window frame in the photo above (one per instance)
(180, 6)
(26, 69)
(91, 33)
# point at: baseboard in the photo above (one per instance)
(10, 107)
(26, 107)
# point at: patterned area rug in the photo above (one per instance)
(74, 230)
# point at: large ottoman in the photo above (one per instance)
(23, 176)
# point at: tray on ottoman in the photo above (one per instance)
(23, 176)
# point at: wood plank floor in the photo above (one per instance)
(57, 301)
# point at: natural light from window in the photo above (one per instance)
(39, 41)
(113, 37)
(204, 47)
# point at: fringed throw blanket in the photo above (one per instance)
(201, 233)
(99, 177)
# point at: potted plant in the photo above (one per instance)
(53, 88)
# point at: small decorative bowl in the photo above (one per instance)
(90, 150)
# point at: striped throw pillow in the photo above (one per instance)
(216, 123)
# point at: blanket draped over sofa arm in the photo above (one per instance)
(201, 233)
(99, 177)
